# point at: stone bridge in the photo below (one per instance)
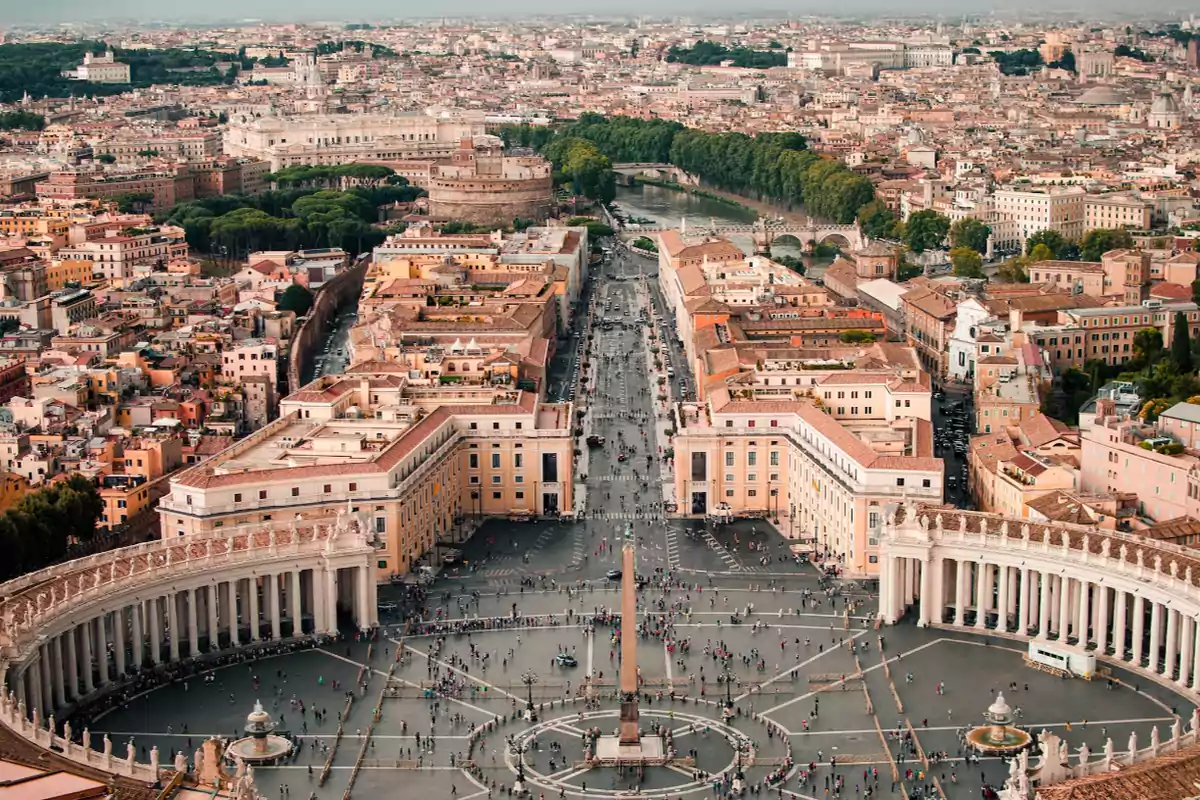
(847, 237)
(662, 172)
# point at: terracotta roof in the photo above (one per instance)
(1175, 775)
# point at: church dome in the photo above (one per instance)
(1102, 96)
(1165, 103)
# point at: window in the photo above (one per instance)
(774, 458)
(474, 426)
(262, 494)
(354, 487)
(549, 467)
(517, 460)
(729, 477)
(899, 481)
(237, 498)
(926, 483)
(328, 488)
(729, 492)
(752, 477)
(519, 495)
(495, 479)
(495, 461)
(496, 495)
(752, 492)
(729, 458)
(751, 459)
(473, 460)
(495, 426)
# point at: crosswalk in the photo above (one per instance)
(578, 546)
(720, 550)
(626, 515)
(611, 478)
(672, 548)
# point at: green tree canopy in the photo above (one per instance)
(967, 262)
(1051, 239)
(1099, 241)
(972, 233)
(877, 220)
(295, 298)
(1181, 343)
(925, 230)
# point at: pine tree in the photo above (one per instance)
(1181, 344)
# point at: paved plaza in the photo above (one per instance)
(807, 680)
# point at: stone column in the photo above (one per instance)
(888, 589)
(960, 592)
(331, 595)
(1196, 656)
(48, 685)
(1139, 628)
(1064, 609)
(296, 604)
(364, 597)
(1002, 600)
(1170, 653)
(1156, 631)
(155, 609)
(276, 611)
(231, 610)
(60, 694)
(252, 591)
(1187, 629)
(72, 671)
(119, 641)
(1100, 598)
(983, 587)
(1120, 613)
(85, 641)
(212, 600)
(102, 647)
(37, 694)
(172, 601)
(1046, 580)
(1055, 603)
(193, 623)
(928, 601)
(1024, 599)
(1082, 619)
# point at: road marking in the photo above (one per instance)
(467, 675)
(591, 648)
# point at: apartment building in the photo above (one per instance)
(831, 482)
(1033, 209)
(1000, 477)
(929, 319)
(114, 257)
(413, 463)
(176, 145)
(1126, 455)
(1116, 211)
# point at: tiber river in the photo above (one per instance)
(668, 207)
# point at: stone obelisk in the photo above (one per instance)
(629, 670)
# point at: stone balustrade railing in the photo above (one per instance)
(13, 715)
(1057, 765)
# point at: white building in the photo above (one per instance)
(99, 69)
(928, 56)
(345, 138)
(1033, 209)
(971, 314)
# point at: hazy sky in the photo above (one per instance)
(21, 11)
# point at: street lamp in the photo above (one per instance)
(529, 679)
(519, 786)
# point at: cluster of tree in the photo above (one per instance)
(295, 298)
(793, 263)
(645, 243)
(358, 45)
(967, 262)
(230, 226)
(856, 336)
(769, 166)
(329, 176)
(21, 121)
(1174, 32)
(1094, 245)
(37, 68)
(40, 528)
(1067, 62)
(705, 53)
(877, 221)
(1124, 50)
(595, 227)
(579, 162)
(972, 233)
(925, 230)
(1018, 62)
(774, 166)
(532, 136)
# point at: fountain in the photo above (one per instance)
(999, 737)
(260, 745)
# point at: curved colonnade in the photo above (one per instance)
(1122, 598)
(75, 631)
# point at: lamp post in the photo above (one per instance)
(529, 679)
(519, 785)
